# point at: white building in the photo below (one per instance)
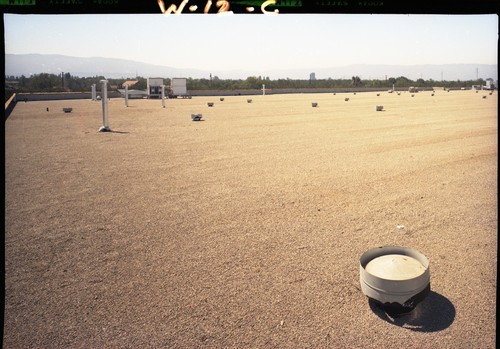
(133, 93)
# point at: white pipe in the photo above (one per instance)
(263, 89)
(94, 97)
(104, 92)
(163, 95)
(126, 95)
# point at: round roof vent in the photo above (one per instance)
(396, 278)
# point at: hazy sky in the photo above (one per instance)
(245, 41)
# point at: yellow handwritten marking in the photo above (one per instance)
(174, 9)
(265, 4)
(162, 6)
(207, 6)
(223, 6)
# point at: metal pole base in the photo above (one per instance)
(104, 129)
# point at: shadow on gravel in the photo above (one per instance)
(111, 131)
(434, 313)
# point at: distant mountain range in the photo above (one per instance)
(28, 64)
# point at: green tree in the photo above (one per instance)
(141, 84)
(356, 81)
(420, 82)
(252, 82)
(403, 82)
(44, 82)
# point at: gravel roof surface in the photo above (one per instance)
(244, 230)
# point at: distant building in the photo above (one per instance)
(134, 93)
(312, 76)
(11, 84)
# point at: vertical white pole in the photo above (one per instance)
(263, 89)
(126, 95)
(104, 102)
(94, 97)
(104, 92)
(163, 95)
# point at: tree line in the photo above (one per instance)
(66, 82)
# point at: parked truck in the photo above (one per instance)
(178, 88)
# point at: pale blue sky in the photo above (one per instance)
(245, 41)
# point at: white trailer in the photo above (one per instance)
(154, 87)
(178, 88)
(489, 85)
